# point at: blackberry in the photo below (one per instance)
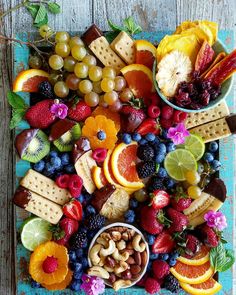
(96, 222)
(145, 152)
(171, 284)
(45, 88)
(156, 183)
(146, 169)
(78, 240)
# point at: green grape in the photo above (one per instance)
(75, 41)
(194, 191)
(140, 195)
(45, 31)
(61, 89)
(120, 83)
(85, 86)
(81, 70)
(192, 177)
(62, 49)
(78, 52)
(56, 62)
(91, 99)
(97, 87)
(80, 94)
(72, 81)
(107, 84)
(108, 72)
(116, 106)
(95, 73)
(62, 37)
(126, 95)
(35, 62)
(89, 60)
(69, 63)
(110, 97)
(102, 103)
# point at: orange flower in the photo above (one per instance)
(100, 131)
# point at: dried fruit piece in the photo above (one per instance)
(218, 58)
(204, 57)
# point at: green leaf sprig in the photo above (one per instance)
(221, 259)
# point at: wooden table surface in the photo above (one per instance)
(77, 15)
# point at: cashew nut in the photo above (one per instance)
(98, 271)
(105, 236)
(121, 284)
(116, 236)
(108, 251)
(102, 261)
(121, 245)
(139, 247)
(117, 256)
(102, 241)
(120, 268)
(109, 269)
(93, 254)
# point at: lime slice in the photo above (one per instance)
(35, 232)
(178, 162)
(195, 145)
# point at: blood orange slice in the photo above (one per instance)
(139, 79)
(192, 274)
(209, 287)
(123, 163)
(200, 258)
(98, 177)
(28, 80)
(145, 53)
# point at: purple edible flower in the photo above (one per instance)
(59, 109)
(177, 134)
(216, 220)
(92, 285)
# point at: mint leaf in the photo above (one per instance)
(110, 36)
(16, 101)
(33, 9)
(17, 116)
(220, 258)
(41, 14)
(53, 7)
(43, 22)
(131, 26)
(115, 27)
(229, 261)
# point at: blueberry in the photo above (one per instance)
(136, 137)
(159, 158)
(79, 253)
(90, 210)
(170, 183)
(77, 267)
(39, 166)
(75, 285)
(213, 146)
(78, 274)
(170, 147)
(65, 159)
(49, 168)
(174, 255)
(149, 266)
(216, 165)
(172, 262)
(81, 198)
(101, 135)
(35, 285)
(56, 162)
(208, 157)
(164, 133)
(87, 197)
(161, 148)
(154, 256)
(48, 173)
(84, 261)
(91, 234)
(150, 137)
(156, 141)
(126, 138)
(164, 256)
(129, 216)
(162, 172)
(53, 154)
(142, 141)
(69, 168)
(133, 203)
(72, 255)
(150, 239)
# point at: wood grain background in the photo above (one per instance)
(77, 15)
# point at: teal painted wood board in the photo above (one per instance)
(227, 158)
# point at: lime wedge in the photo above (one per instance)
(35, 231)
(178, 162)
(195, 145)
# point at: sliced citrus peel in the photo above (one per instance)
(200, 258)
(145, 53)
(62, 285)
(209, 287)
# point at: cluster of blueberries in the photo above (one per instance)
(211, 154)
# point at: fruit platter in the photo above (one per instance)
(118, 190)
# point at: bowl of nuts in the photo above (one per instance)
(119, 254)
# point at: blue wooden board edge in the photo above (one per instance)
(227, 158)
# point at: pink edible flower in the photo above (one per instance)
(92, 285)
(216, 220)
(177, 134)
(59, 109)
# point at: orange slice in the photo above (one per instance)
(114, 116)
(123, 164)
(139, 79)
(145, 53)
(192, 274)
(98, 177)
(28, 80)
(200, 258)
(62, 285)
(209, 287)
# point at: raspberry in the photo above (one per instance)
(152, 286)
(145, 152)
(153, 111)
(160, 269)
(146, 169)
(179, 116)
(210, 238)
(192, 245)
(75, 184)
(62, 180)
(50, 264)
(99, 155)
(166, 123)
(167, 112)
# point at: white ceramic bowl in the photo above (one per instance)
(127, 226)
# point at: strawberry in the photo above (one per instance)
(159, 199)
(149, 220)
(148, 126)
(181, 203)
(209, 236)
(79, 111)
(163, 243)
(131, 118)
(73, 209)
(179, 220)
(63, 231)
(39, 115)
(192, 245)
